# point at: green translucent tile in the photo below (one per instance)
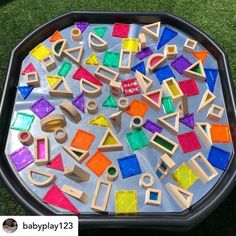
(167, 105)
(64, 69)
(184, 176)
(110, 102)
(100, 31)
(111, 59)
(23, 121)
(137, 139)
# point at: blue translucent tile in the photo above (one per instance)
(140, 67)
(164, 73)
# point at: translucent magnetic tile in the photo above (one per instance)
(23, 121)
(111, 59)
(126, 202)
(137, 139)
(40, 52)
(42, 108)
(130, 44)
(184, 176)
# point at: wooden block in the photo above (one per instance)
(143, 180)
(112, 172)
(95, 90)
(41, 150)
(142, 40)
(190, 45)
(196, 167)
(70, 111)
(32, 79)
(77, 174)
(152, 202)
(48, 63)
(144, 81)
(97, 43)
(123, 103)
(45, 183)
(105, 74)
(203, 129)
(155, 60)
(52, 122)
(78, 154)
(196, 70)
(115, 88)
(92, 106)
(174, 129)
(58, 47)
(207, 98)
(184, 102)
(153, 99)
(171, 51)
(165, 165)
(60, 135)
(125, 56)
(182, 197)
(163, 144)
(115, 119)
(171, 88)
(76, 193)
(103, 206)
(76, 34)
(136, 122)
(70, 52)
(215, 112)
(152, 30)
(25, 137)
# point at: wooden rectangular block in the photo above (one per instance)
(165, 165)
(105, 74)
(125, 61)
(77, 174)
(41, 150)
(74, 192)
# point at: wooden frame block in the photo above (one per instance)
(75, 193)
(112, 172)
(70, 51)
(115, 88)
(91, 106)
(25, 137)
(104, 76)
(205, 177)
(165, 165)
(55, 92)
(115, 144)
(58, 54)
(172, 129)
(70, 111)
(171, 88)
(143, 183)
(154, 141)
(189, 72)
(101, 46)
(212, 115)
(77, 174)
(142, 40)
(184, 102)
(190, 45)
(179, 195)
(52, 122)
(207, 98)
(151, 97)
(39, 142)
(136, 122)
(48, 63)
(203, 129)
(95, 92)
(125, 69)
(144, 81)
(152, 66)
(101, 208)
(32, 79)
(123, 103)
(45, 183)
(147, 30)
(78, 154)
(115, 119)
(60, 135)
(76, 34)
(171, 51)
(151, 202)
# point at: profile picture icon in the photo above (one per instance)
(9, 225)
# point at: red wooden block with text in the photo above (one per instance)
(130, 87)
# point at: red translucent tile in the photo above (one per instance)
(120, 30)
(189, 87)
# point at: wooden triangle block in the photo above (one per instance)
(78, 154)
(58, 47)
(152, 30)
(155, 61)
(200, 55)
(115, 118)
(69, 53)
(180, 195)
(144, 81)
(153, 98)
(174, 129)
(196, 70)
(207, 98)
(179, 108)
(56, 92)
(96, 43)
(110, 142)
(203, 129)
(94, 90)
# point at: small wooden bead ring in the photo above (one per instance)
(60, 135)
(123, 103)
(25, 137)
(92, 106)
(143, 183)
(76, 34)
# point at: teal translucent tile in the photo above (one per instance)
(111, 59)
(167, 105)
(137, 139)
(23, 121)
(64, 69)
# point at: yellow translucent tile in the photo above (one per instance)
(100, 120)
(52, 80)
(40, 52)
(109, 140)
(184, 176)
(126, 202)
(92, 60)
(130, 44)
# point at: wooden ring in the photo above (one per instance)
(60, 135)
(76, 34)
(52, 122)
(123, 103)
(136, 122)
(145, 184)
(70, 111)
(112, 172)
(92, 106)
(25, 137)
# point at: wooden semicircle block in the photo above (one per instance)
(153, 98)
(152, 30)
(71, 51)
(96, 43)
(207, 98)
(196, 70)
(45, 183)
(95, 90)
(78, 154)
(110, 142)
(155, 61)
(144, 81)
(58, 47)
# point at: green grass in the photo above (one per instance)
(215, 17)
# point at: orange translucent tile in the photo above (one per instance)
(137, 108)
(82, 140)
(220, 133)
(98, 163)
(56, 35)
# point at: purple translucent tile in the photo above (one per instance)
(188, 120)
(79, 102)
(22, 158)
(145, 52)
(152, 127)
(81, 25)
(180, 64)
